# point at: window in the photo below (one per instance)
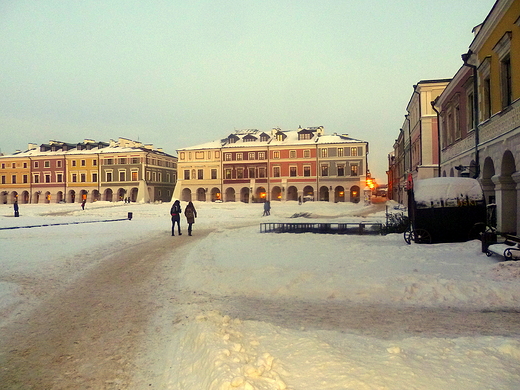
(292, 154)
(341, 170)
(25, 165)
(186, 174)
(36, 178)
(227, 156)
(58, 164)
(214, 174)
(149, 176)
(47, 178)
(276, 171)
(135, 175)
(122, 175)
(13, 165)
(324, 152)
(135, 160)
(251, 173)
(503, 51)
(304, 136)
(240, 173)
(154, 175)
(74, 162)
(487, 98)
(340, 152)
(239, 156)
(94, 177)
(456, 119)
(306, 153)
(251, 156)
(36, 164)
(25, 178)
(261, 172)
(324, 170)
(74, 177)
(354, 151)
(13, 179)
(59, 177)
(306, 171)
(109, 161)
(46, 164)
(505, 81)
(227, 173)
(200, 174)
(261, 155)
(353, 170)
(470, 111)
(276, 154)
(83, 163)
(109, 176)
(292, 171)
(94, 163)
(83, 177)
(3, 179)
(3, 166)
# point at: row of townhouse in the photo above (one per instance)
(60, 172)
(478, 117)
(255, 166)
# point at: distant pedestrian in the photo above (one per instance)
(190, 214)
(83, 204)
(299, 200)
(16, 209)
(267, 208)
(175, 212)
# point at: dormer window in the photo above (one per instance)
(264, 137)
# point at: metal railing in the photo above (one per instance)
(359, 228)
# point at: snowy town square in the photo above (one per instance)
(90, 299)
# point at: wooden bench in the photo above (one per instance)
(510, 248)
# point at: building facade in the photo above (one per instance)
(60, 172)
(483, 141)
(416, 150)
(254, 166)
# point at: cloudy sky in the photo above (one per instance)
(179, 73)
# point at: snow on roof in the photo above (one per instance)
(447, 189)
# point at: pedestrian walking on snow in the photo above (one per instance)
(190, 214)
(267, 208)
(175, 212)
(16, 209)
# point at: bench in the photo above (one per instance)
(510, 248)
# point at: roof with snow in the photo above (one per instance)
(275, 137)
(446, 191)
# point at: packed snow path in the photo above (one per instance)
(89, 334)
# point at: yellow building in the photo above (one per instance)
(494, 55)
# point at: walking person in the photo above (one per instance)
(267, 208)
(175, 212)
(83, 204)
(190, 214)
(16, 209)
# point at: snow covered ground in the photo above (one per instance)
(279, 273)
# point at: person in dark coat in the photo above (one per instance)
(190, 214)
(175, 212)
(83, 204)
(16, 209)
(267, 208)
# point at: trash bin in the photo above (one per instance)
(130, 215)
(488, 238)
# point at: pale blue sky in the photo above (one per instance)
(179, 73)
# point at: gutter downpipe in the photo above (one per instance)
(438, 137)
(465, 58)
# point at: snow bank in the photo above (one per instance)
(359, 269)
(215, 352)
